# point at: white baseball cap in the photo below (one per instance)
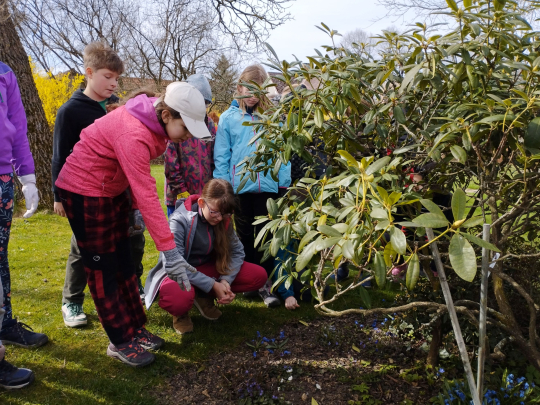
(189, 102)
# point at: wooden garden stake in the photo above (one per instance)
(453, 318)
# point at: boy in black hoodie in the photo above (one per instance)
(102, 68)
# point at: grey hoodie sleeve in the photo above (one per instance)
(196, 278)
(237, 258)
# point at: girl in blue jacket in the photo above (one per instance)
(230, 149)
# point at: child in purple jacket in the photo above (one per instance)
(14, 153)
(189, 165)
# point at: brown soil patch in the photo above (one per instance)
(335, 361)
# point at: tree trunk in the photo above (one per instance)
(436, 340)
(39, 135)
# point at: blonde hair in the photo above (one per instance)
(98, 55)
(253, 73)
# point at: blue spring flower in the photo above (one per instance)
(258, 334)
(460, 394)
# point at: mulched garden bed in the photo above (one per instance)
(346, 360)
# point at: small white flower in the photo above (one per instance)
(318, 386)
(290, 378)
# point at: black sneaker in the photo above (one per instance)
(12, 378)
(131, 353)
(270, 300)
(148, 340)
(20, 334)
(141, 289)
(251, 294)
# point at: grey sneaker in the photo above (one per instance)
(270, 300)
(131, 353)
(73, 315)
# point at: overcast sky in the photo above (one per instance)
(300, 36)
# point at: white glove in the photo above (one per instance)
(176, 268)
(31, 195)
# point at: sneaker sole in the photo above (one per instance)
(75, 324)
(203, 314)
(38, 344)
(272, 304)
(118, 356)
(16, 387)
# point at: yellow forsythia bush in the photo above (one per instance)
(54, 90)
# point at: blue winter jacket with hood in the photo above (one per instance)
(232, 147)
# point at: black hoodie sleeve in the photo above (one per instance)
(64, 139)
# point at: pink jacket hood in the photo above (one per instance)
(142, 108)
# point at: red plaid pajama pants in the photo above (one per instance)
(100, 225)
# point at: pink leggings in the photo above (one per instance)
(172, 299)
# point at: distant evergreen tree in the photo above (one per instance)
(223, 79)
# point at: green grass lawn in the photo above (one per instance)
(73, 367)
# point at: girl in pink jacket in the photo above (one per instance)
(113, 154)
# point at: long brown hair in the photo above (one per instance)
(220, 193)
(253, 73)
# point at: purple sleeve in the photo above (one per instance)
(22, 160)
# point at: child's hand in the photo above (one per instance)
(138, 224)
(227, 286)
(291, 303)
(59, 209)
(223, 293)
